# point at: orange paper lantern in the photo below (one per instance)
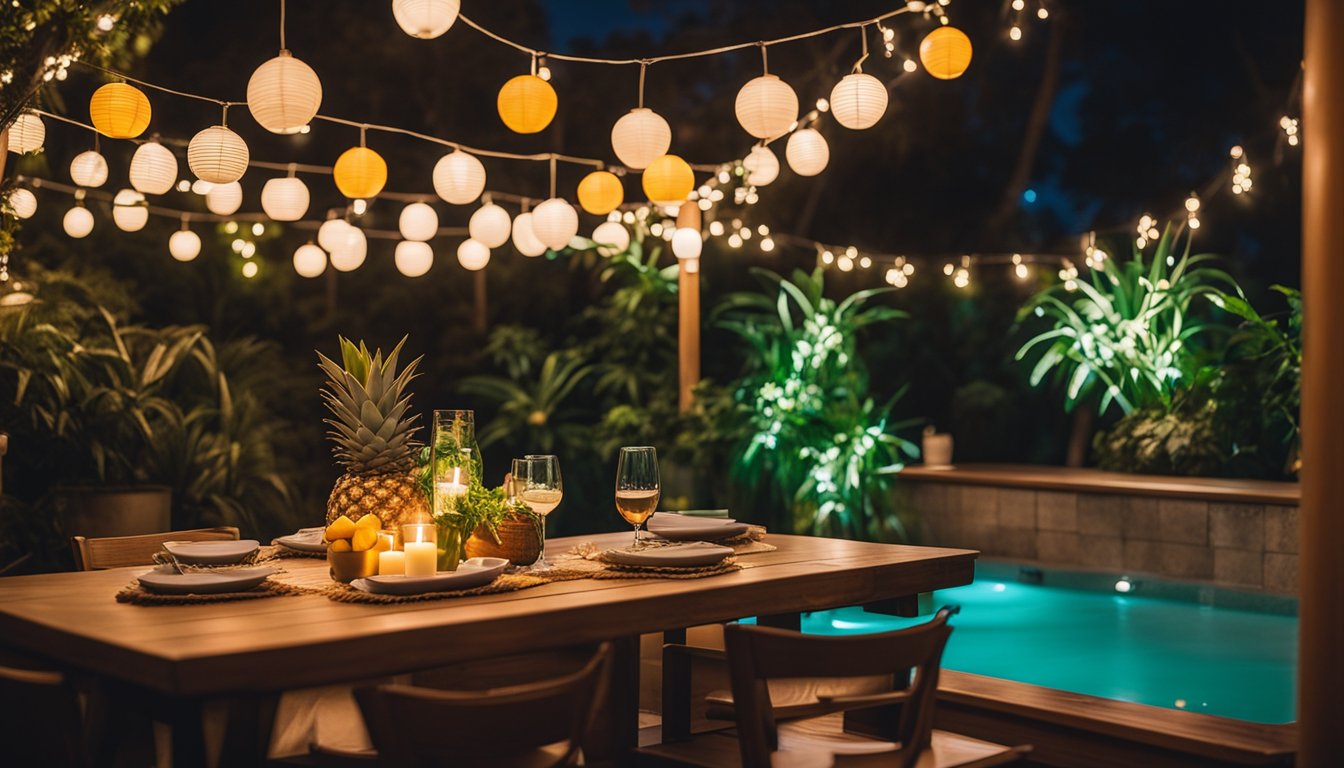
(360, 173)
(119, 111)
(600, 193)
(668, 180)
(946, 53)
(527, 104)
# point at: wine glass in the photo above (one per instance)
(537, 483)
(637, 488)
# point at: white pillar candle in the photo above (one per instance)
(391, 563)
(421, 558)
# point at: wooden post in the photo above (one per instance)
(1320, 708)
(688, 315)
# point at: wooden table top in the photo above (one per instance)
(287, 642)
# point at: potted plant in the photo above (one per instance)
(485, 522)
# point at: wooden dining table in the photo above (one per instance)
(183, 657)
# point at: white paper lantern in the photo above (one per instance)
(129, 211)
(473, 255)
(611, 237)
(858, 101)
(418, 222)
(27, 133)
(425, 19)
(459, 178)
(640, 137)
(524, 238)
(78, 222)
(217, 155)
(766, 107)
(555, 222)
(284, 94)
(330, 233)
(184, 245)
(153, 169)
(490, 225)
(413, 257)
(23, 202)
(807, 152)
(284, 199)
(310, 260)
(224, 199)
(351, 248)
(89, 169)
(761, 166)
(687, 243)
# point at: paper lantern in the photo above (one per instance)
(459, 178)
(284, 94)
(425, 19)
(119, 111)
(224, 199)
(527, 104)
(490, 225)
(687, 243)
(78, 222)
(23, 202)
(668, 180)
(351, 248)
(761, 166)
(330, 234)
(611, 237)
(184, 245)
(640, 137)
(473, 255)
(310, 260)
(524, 238)
(419, 222)
(807, 152)
(946, 53)
(555, 223)
(27, 133)
(413, 258)
(766, 107)
(153, 169)
(600, 193)
(88, 169)
(129, 211)
(360, 173)
(217, 155)
(285, 199)
(858, 101)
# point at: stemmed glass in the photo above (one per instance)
(637, 487)
(537, 483)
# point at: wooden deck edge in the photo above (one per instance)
(1062, 725)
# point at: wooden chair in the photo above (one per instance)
(786, 716)
(44, 723)
(122, 551)
(533, 725)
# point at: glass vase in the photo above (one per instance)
(454, 432)
(450, 547)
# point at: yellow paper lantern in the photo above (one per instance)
(668, 180)
(600, 193)
(527, 104)
(119, 111)
(360, 173)
(946, 53)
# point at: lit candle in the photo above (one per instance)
(421, 558)
(450, 489)
(391, 563)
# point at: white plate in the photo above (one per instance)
(475, 572)
(686, 528)
(211, 552)
(306, 540)
(697, 554)
(204, 582)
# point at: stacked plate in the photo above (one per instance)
(171, 579)
(475, 572)
(674, 527)
(305, 540)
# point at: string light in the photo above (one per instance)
(1192, 211)
(1241, 171)
(1290, 129)
(1019, 269)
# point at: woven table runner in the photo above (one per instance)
(135, 594)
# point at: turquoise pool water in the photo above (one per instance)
(1165, 652)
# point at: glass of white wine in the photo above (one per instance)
(637, 487)
(537, 483)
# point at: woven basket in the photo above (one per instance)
(517, 541)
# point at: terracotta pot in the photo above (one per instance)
(518, 541)
(111, 510)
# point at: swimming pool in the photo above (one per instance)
(1161, 643)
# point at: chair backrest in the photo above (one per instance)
(413, 726)
(42, 724)
(758, 654)
(121, 551)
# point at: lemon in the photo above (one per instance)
(339, 545)
(340, 528)
(364, 539)
(369, 520)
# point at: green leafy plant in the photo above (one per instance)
(485, 508)
(540, 409)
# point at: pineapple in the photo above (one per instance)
(373, 437)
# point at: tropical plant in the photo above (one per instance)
(1129, 332)
(815, 441)
(540, 410)
(1273, 347)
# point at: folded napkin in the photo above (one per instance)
(695, 517)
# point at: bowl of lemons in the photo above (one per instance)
(353, 547)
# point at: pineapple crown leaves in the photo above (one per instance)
(365, 393)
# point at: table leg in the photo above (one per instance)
(183, 717)
(793, 621)
(615, 734)
(247, 736)
(908, 606)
